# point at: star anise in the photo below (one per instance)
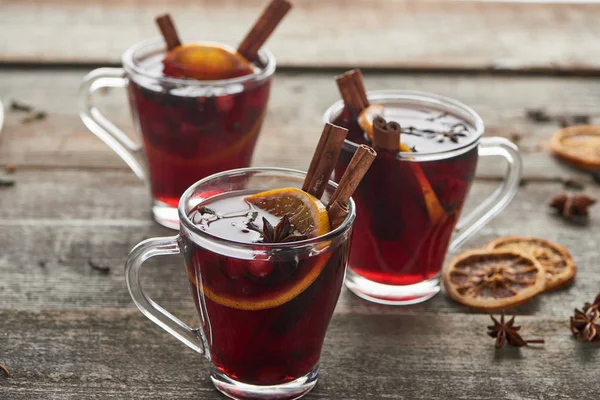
(570, 206)
(508, 332)
(3, 369)
(585, 324)
(282, 233)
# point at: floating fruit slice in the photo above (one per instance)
(434, 207)
(309, 217)
(578, 145)
(205, 63)
(556, 260)
(306, 213)
(492, 280)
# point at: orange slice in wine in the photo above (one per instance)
(492, 280)
(306, 213)
(556, 260)
(434, 207)
(205, 63)
(309, 217)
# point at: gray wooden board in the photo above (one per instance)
(380, 33)
(119, 354)
(52, 223)
(293, 123)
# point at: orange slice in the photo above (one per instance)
(308, 216)
(306, 213)
(492, 280)
(556, 260)
(205, 63)
(578, 145)
(434, 207)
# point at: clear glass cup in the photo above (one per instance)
(188, 129)
(265, 347)
(400, 240)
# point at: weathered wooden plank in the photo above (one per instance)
(293, 123)
(119, 354)
(402, 33)
(52, 223)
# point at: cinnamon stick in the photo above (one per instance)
(360, 163)
(386, 135)
(167, 28)
(337, 213)
(324, 159)
(262, 29)
(352, 89)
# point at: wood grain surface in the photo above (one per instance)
(294, 120)
(99, 216)
(70, 331)
(118, 354)
(435, 34)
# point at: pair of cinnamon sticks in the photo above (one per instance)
(386, 136)
(252, 42)
(323, 164)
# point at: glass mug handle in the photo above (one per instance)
(121, 144)
(494, 204)
(161, 317)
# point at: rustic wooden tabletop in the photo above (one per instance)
(70, 331)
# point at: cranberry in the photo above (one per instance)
(234, 268)
(224, 103)
(260, 269)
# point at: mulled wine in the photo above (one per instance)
(264, 316)
(407, 209)
(191, 132)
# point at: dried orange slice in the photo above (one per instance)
(306, 212)
(205, 63)
(491, 280)
(578, 145)
(309, 217)
(556, 260)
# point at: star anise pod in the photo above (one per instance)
(282, 233)
(508, 332)
(585, 324)
(575, 205)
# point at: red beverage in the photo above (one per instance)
(264, 317)
(193, 128)
(399, 238)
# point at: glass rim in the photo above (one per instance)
(189, 225)
(157, 43)
(445, 103)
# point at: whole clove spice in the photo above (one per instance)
(19, 106)
(105, 269)
(7, 183)
(34, 116)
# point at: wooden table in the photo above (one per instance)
(68, 331)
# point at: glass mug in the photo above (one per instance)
(267, 349)
(189, 129)
(399, 244)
